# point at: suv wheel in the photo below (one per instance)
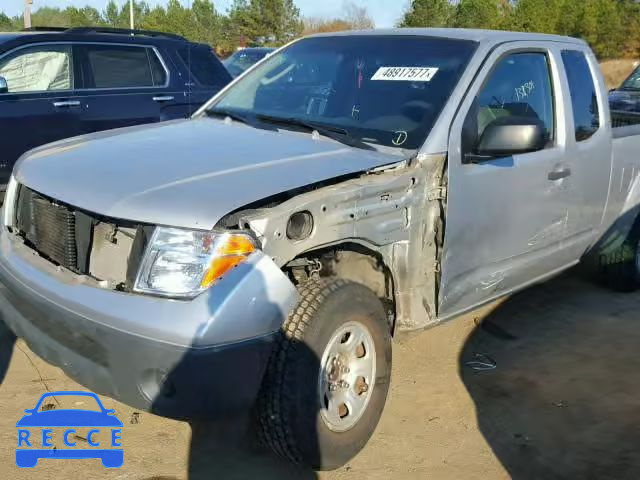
(328, 377)
(620, 268)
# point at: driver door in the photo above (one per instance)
(510, 219)
(40, 105)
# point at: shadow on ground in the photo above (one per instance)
(225, 446)
(564, 399)
(229, 450)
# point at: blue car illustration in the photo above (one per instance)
(69, 419)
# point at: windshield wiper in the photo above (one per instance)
(335, 133)
(228, 113)
(297, 122)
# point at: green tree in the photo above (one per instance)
(118, 17)
(178, 19)
(569, 18)
(205, 21)
(429, 13)
(612, 27)
(48, 17)
(111, 14)
(608, 34)
(6, 25)
(156, 19)
(478, 14)
(537, 15)
(506, 12)
(83, 17)
(276, 20)
(630, 13)
(243, 22)
(265, 21)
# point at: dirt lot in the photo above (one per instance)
(616, 71)
(562, 403)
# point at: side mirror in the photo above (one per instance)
(509, 136)
(4, 87)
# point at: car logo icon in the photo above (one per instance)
(29, 442)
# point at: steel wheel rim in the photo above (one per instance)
(347, 376)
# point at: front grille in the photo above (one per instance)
(49, 227)
(83, 242)
(55, 232)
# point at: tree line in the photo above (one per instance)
(247, 22)
(612, 27)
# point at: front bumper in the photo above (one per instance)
(182, 359)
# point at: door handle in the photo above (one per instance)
(67, 103)
(165, 98)
(559, 174)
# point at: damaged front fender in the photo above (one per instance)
(395, 211)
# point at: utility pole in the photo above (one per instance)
(131, 14)
(27, 13)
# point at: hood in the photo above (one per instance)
(628, 100)
(187, 173)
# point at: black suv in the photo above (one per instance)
(58, 83)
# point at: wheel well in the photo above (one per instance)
(350, 261)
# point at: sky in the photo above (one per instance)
(384, 12)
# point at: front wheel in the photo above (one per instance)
(328, 377)
(620, 267)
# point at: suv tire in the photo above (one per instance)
(620, 268)
(300, 415)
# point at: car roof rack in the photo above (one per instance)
(110, 30)
(45, 29)
(125, 31)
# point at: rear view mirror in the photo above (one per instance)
(4, 87)
(508, 136)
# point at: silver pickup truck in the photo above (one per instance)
(263, 254)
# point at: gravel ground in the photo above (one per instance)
(561, 403)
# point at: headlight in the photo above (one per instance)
(183, 263)
(8, 208)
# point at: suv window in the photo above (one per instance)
(632, 82)
(204, 66)
(387, 92)
(38, 69)
(116, 66)
(519, 86)
(584, 101)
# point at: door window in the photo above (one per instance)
(39, 68)
(519, 86)
(624, 102)
(584, 101)
(115, 66)
(204, 66)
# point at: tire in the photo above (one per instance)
(620, 268)
(293, 419)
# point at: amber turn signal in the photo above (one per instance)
(231, 250)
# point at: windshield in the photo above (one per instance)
(633, 82)
(242, 60)
(385, 90)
